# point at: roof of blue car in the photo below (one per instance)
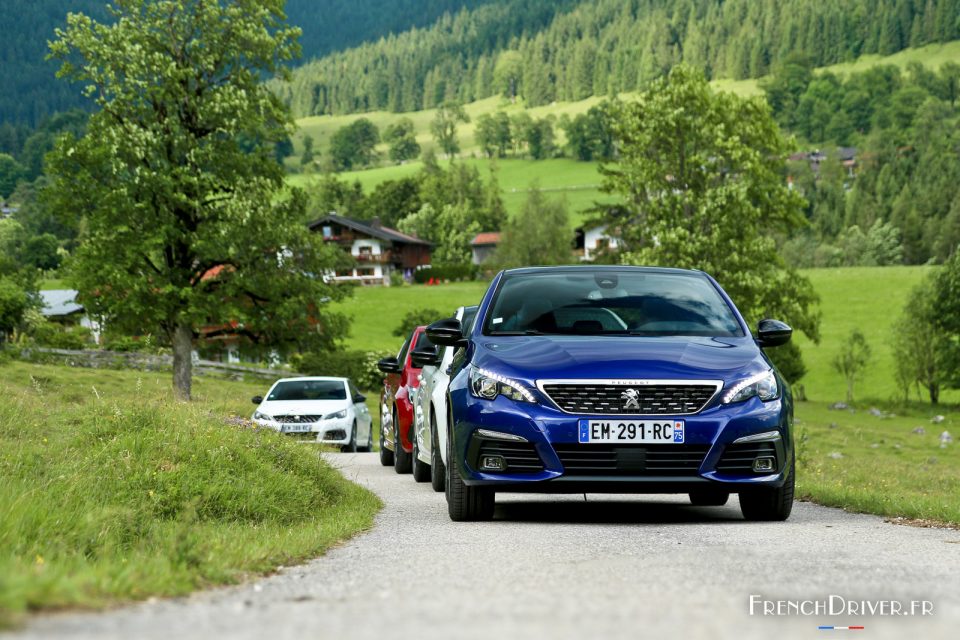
(600, 268)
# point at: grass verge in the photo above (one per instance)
(113, 492)
(870, 460)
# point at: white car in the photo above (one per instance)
(320, 409)
(430, 410)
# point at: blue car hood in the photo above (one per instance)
(532, 358)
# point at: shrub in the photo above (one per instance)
(451, 272)
(358, 366)
(414, 319)
(57, 336)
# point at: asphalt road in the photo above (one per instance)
(566, 567)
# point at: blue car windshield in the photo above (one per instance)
(308, 390)
(610, 302)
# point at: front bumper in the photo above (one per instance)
(333, 432)
(553, 461)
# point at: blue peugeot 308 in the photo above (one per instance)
(617, 380)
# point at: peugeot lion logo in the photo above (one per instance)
(631, 399)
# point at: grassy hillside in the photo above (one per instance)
(561, 178)
(577, 181)
(868, 298)
(112, 491)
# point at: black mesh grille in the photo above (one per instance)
(521, 457)
(631, 460)
(738, 458)
(647, 400)
(297, 419)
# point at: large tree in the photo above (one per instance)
(444, 127)
(701, 176)
(539, 235)
(186, 229)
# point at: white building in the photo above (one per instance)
(595, 239)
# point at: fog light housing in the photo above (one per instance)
(336, 434)
(763, 464)
(492, 463)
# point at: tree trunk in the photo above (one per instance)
(182, 361)
(934, 393)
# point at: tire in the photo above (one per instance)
(465, 504)
(421, 470)
(401, 459)
(438, 472)
(352, 447)
(709, 498)
(386, 456)
(766, 505)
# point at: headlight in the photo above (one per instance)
(262, 416)
(488, 385)
(336, 416)
(763, 385)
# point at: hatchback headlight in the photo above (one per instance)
(763, 385)
(336, 416)
(488, 385)
(262, 416)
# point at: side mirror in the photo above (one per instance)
(425, 357)
(256, 399)
(446, 333)
(389, 365)
(358, 398)
(773, 333)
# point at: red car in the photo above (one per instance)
(396, 405)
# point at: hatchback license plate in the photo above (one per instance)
(296, 428)
(632, 431)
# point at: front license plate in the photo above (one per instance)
(632, 431)
(296, 428)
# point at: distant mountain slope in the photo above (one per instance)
(29, 91)
(599, 47)
(333, 25)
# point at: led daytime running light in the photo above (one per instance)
(507, 382)
(743, 384)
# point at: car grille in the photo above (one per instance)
(738, 458)
(521, 457)
(613, 459)
(307, 436)
(610, 399)
(297, 419)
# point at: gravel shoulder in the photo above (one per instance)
(563, 567)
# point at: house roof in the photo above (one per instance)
(60, 302)
(486, 239)
(383, 233)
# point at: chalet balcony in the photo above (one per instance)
(372, 258)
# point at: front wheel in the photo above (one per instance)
(438, 472)
(401, 459)
(352, 447)
(386, 456)
(466, 503)
(769, 504)
(421, 470)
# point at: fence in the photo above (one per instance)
(96, 359)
